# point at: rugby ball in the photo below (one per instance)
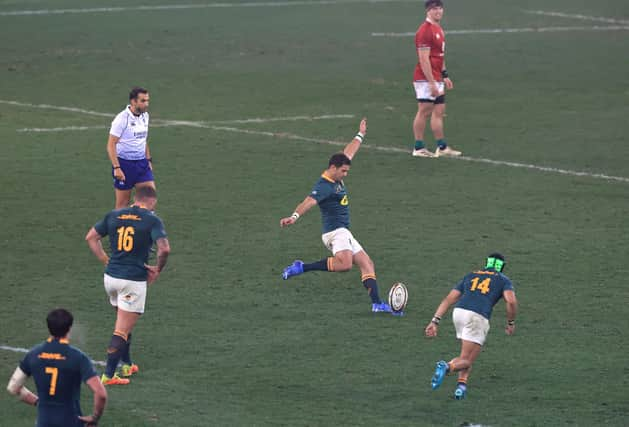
(398, 297)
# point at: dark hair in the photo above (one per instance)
(59, 322)
(496, 261)
(142, 193)
(136, 91)
(433, 3)
(338, 160)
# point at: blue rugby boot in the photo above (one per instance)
(381, 307)
(295, 269)
(459, 393)
(440, 373)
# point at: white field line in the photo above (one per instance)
(82, 128)
(64, 129)
(516, 30)
(579, 17)
(284, 119)
(170, 123)
(57, 107)
(157, 122)
(26, 350)
(40, 12)
(291, 136)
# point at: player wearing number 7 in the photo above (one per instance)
(131, 232)
(475, 297)
(58, 370)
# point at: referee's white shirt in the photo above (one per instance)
(132, 131)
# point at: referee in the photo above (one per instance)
(128, 148)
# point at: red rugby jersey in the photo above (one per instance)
(432, 36)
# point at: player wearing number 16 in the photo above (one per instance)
(131, 232)
(475, 297)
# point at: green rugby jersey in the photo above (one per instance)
(131, 232)
(333, 203)
(481, 290)
(58, 370)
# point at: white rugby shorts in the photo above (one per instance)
(341, 239)
(127, 295)
(422, 90)
(470, 326)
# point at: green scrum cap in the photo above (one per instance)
(496, 261)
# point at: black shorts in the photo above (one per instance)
(441, 99)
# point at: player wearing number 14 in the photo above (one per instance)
(131, 232)
(475, 297)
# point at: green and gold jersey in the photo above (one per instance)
(58, 370)
(333, 203)
(481, 290)
(131, 232)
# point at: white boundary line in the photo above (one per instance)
(291, 136)
(516, 30)
(26, 350)
(578, 16)
(40, 12)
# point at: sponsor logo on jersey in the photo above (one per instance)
(51, 356)
(130, 217)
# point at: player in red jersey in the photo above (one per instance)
(430, 81)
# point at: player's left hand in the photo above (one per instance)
(89, 420)
(153, 273)
(448, 83)
(431, 330)
(362, 128)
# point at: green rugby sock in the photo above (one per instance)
(419, 144)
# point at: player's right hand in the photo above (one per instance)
(285, 222)
(119, 174)
(434, 89)
(431, 330)
(89, 420)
